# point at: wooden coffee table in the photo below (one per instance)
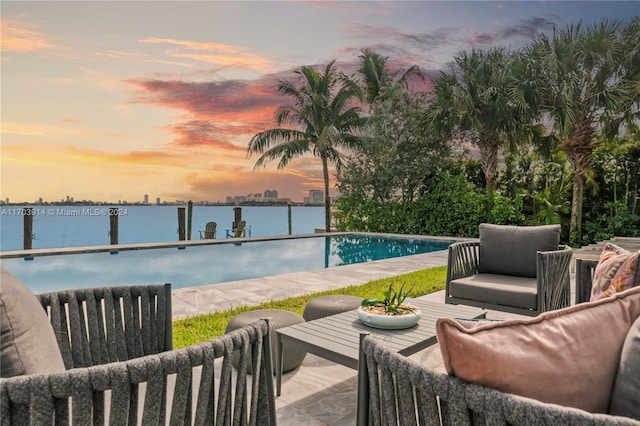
(337, 337)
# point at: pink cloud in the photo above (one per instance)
(16, 37)
(218, 112)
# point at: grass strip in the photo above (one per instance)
(204, 327)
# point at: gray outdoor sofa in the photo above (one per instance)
(400, 391)
(115, 363)
(574, 366)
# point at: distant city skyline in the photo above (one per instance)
(111, 100)
(268, 195)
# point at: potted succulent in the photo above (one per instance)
(390, 312)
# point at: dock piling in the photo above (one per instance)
(237, 218)
(28, 228)
(189, 218)
(113, 225)
(181, 230)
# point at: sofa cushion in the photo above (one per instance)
(616, 271)
(625, 398)
(28, 344)
(506, 290)
(511, 250)
(567, 357)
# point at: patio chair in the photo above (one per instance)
(117, 365)
(241, 229)
(521, 270)
(209, 231)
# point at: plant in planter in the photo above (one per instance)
(389, 312)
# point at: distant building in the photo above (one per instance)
(146, 198)
(315, 197)
(158, 200)
(255, 197)
(270, 194)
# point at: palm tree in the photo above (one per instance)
(376, 77)
(476, 101)
(584, 90)
(322, 119)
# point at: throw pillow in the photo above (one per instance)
(28, 344)
(625, 398)
(512, 250)
(616, 271)
(567, 357)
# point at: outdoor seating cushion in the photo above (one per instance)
(505, 290)
(567, 357)
(625, 398)
(616, 271)
(28, 344)
(511, 250)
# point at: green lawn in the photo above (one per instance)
(204, 327)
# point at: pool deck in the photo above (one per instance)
(215, 297)
(319, 392)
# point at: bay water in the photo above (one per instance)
(79, 226)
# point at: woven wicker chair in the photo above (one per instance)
(116, 346)
(584, 278)
(545, 287)
(395, 390)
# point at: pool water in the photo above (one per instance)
(209, 264)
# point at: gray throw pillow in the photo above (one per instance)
(27, 342)
(511, 250)
(625, 398)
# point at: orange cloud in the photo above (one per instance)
(60, 154)
(17, 38)
(197, 132)
(43, 130)
(216, 53)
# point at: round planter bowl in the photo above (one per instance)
(389, 322)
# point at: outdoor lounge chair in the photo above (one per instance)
(241, 229)
(209, 231)
(521, 270)
(118, 366)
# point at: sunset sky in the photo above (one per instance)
(113, 100)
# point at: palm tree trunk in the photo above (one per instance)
(327, 200)
(489, 147)
(579, 150)
(575, 229)
(489, 159)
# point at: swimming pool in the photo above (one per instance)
(194, 265)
